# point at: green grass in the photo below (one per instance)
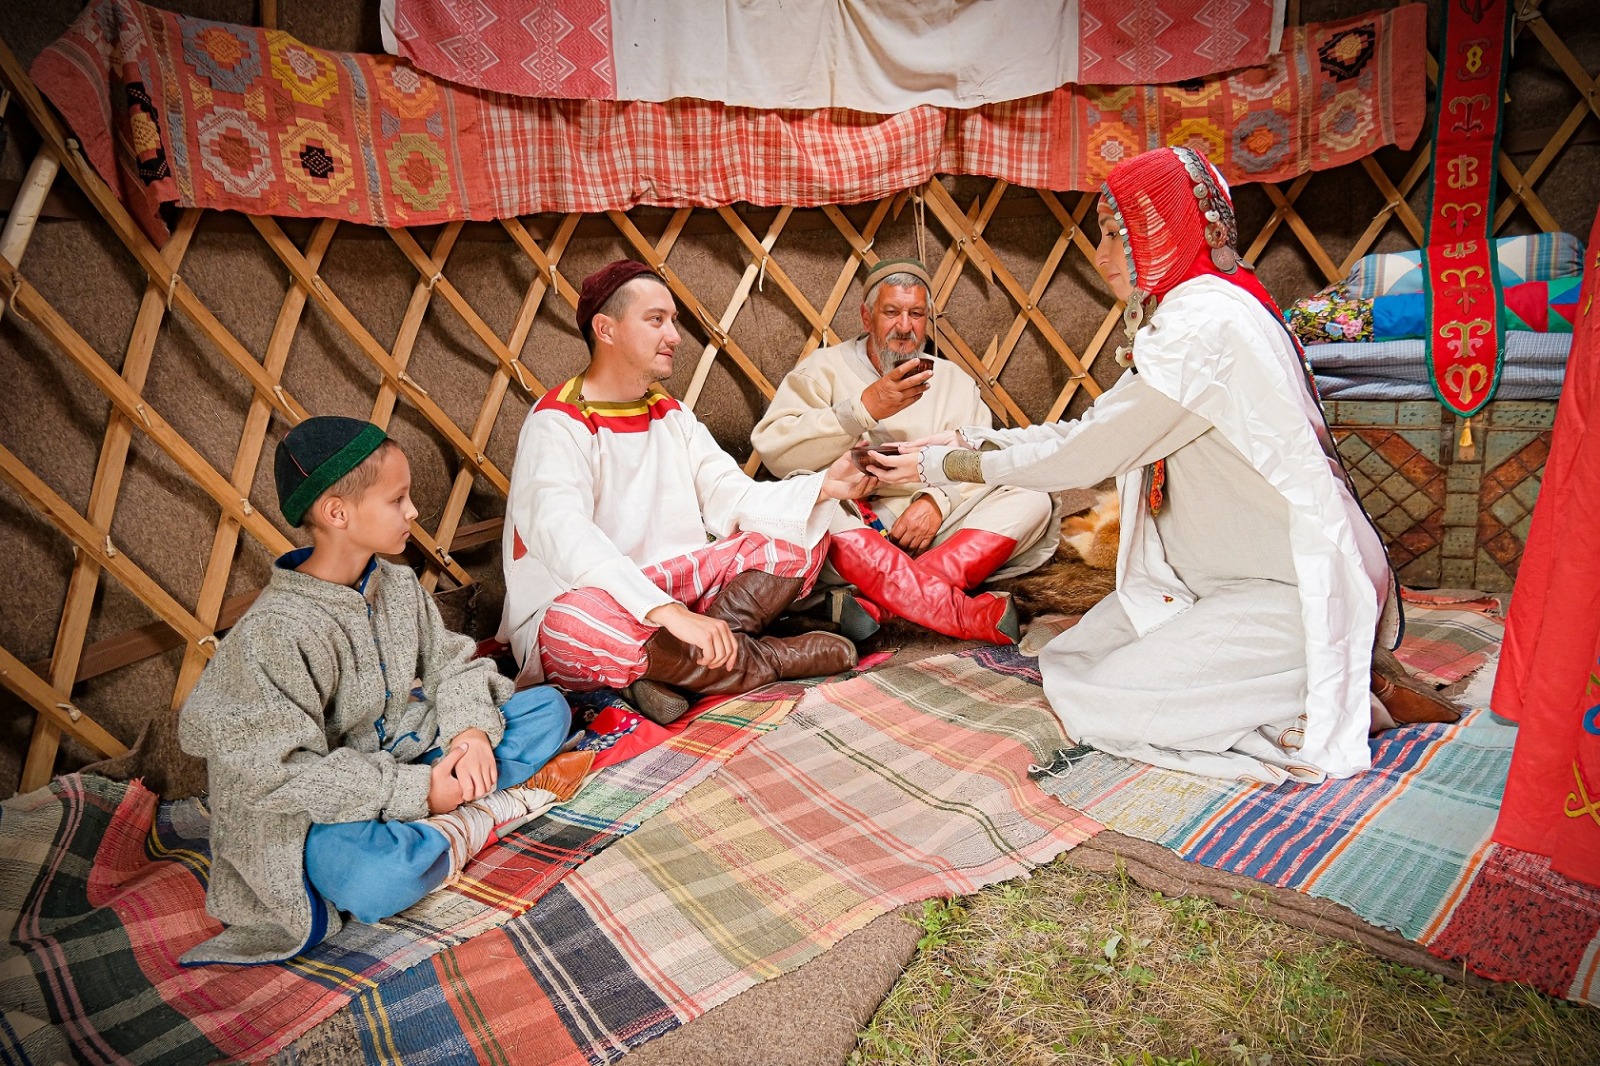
(1077, 967)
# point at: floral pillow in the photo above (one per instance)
(1327, 317)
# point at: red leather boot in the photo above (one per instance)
(890, 579)
(967, 558)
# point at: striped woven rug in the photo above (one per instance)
(1405, 846)
(102, 888)
(897, 786)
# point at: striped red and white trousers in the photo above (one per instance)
(588, 640)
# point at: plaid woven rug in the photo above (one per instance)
(893, 787)
(1405, 846)
(102, 890)
(1448, 639)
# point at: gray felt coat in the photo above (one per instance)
(306, 716)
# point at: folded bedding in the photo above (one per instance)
(1516, 383)
(1534, 368)
(1534, 257)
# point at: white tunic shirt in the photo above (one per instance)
(817, 414)
(1214, 351)
(600, 490)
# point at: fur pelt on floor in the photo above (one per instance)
(1083, 570)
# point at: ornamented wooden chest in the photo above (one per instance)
(1447, 523)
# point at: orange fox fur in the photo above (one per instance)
(1083, 570)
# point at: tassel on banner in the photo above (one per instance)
(1466, 450)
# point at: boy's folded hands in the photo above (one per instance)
(444, 791)
(476, 770)
(466, 772)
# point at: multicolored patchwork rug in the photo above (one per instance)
(896, 786)
(172, 109)
(103, 889)
(892, 787)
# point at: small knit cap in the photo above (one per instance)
(602, 285)
(317, 453)
(888, 267)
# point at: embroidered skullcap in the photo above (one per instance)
(315, 454)
(602, 285)
(888, 267)
(1171, 205)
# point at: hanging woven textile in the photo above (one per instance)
(1549, 674)
(1465, 329)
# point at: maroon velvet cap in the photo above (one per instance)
(602, 285)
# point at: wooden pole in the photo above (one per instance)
(25, 210)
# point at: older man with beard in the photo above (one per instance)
(913, 551)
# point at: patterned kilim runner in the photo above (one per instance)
(1405, 846)
(172, 109)
(1466, 330)
(893, 787)
(102, 889)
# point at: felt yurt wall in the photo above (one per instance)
(140, 413)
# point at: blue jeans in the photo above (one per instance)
(377, 868)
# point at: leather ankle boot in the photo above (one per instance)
(887, 576)
(1407, 699)
(855, 617)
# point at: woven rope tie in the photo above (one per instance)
(1062, 760)
(11, 300)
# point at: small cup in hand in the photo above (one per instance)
(862, 454)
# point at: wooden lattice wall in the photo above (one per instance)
(957, 218)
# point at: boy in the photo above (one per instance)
(354, 746)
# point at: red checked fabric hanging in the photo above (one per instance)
(1465, 328)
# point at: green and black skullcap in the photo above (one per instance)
(315, 454)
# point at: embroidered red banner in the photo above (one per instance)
(1465, 328)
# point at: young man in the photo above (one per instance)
(936, 544)
(356, 750)
(638, 555)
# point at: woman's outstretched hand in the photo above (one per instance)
(897, 468)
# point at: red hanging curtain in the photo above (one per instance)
(1549, 675)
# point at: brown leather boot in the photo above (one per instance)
(816, 654)
(761, 661)
(1407, 699)
(751, 601)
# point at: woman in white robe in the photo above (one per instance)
(1250, 585)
